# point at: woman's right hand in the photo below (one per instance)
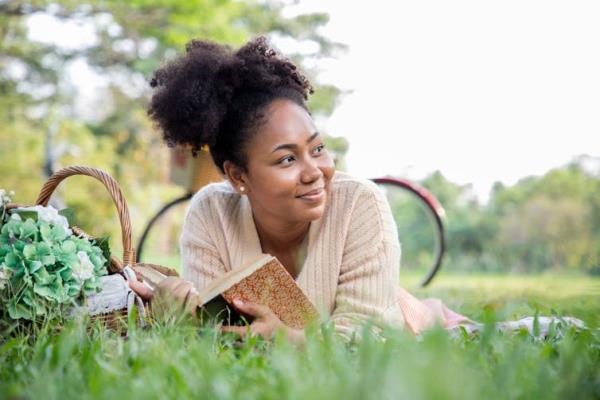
(173, 293)
(145, 292)
(174, 290)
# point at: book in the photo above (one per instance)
(264, 281)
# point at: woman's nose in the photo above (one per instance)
(311, 171)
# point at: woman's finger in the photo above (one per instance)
(192, 301)
(174, 294)
(168, 284)
(252, 309)
(240, 330)
(182, 290)
(142, 290)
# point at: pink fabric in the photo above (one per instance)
(421, 315)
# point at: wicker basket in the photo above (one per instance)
(111, 318)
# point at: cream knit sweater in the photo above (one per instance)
(351, 269)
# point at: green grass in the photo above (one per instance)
(515, 296)
(182, 361)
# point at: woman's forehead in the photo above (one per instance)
(286, 121)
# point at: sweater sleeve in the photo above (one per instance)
(369, 273)
(201, 262)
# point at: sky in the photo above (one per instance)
(482, 91)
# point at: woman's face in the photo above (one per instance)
(289, 170)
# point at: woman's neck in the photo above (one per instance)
(280, 236)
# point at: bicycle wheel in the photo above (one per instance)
(146, 234)
(419, 219)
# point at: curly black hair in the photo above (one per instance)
(212, 95)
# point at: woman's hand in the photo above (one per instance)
(171, 295)
(265, 323)
(140, 289)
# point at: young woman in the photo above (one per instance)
(335, 234)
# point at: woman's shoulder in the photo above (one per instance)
(365, 208)
(213, 196)
(352, 186)
(354, 197)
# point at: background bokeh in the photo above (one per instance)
(74, 89)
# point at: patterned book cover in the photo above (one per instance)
(273, 286)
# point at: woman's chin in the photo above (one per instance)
(315, 213)
(311, 210)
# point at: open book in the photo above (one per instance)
(265, 281)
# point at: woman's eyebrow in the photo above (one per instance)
(293, 146)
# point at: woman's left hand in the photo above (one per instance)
(265, 323)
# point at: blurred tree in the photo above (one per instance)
(540, 223)
(550, 221)
(469, 229)
(338, 146)
(39, 100)
(133, 38)
(545, 233)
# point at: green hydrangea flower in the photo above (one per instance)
(44, 268)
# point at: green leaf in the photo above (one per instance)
(58, 233)
(13, 261)
(27, 298)
(48, 259)
(11, 229)
(66, 273)
(28, 229)
(97, 261)
(46, 291)
(68, 247)
(39, 309)
(19, 245)
(52, 234)
(19, 275)
(73, 290)
(42, 277)
(34, 266)
(68, 260)
(57, 284)
(4, 249)
(103, 243)
(17, 311)
(84, 245)
(26, 214)
(69, 214)
(46, 232)
(29, 251)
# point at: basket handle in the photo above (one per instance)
(115, 192)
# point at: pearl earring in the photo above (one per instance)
(242, 188)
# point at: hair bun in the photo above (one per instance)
(210, 88)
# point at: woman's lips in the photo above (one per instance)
(313, 195)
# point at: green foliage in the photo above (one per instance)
(44, 126)
(44, 268)
(337, 146)
(180, 361)
(542, 223)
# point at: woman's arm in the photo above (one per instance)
(369, 274)
(200, 259)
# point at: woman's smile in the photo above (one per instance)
(314, 196)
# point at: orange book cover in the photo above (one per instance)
(266, 282)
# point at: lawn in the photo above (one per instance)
(178, 360)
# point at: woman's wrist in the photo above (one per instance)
(296, 336)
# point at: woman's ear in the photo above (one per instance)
(235, 175)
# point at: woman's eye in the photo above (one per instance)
(286, 160)
(319, 149)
